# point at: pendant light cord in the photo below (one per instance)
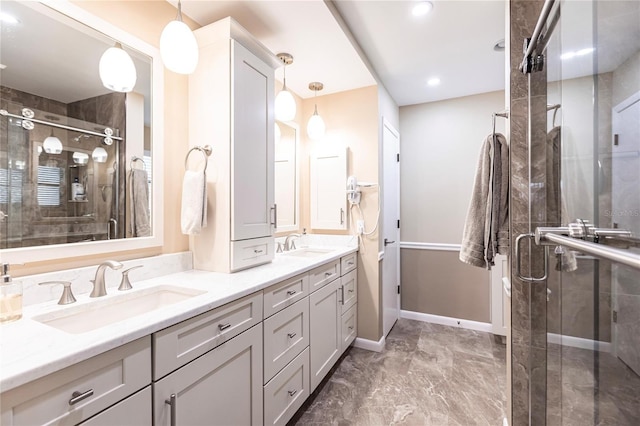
(179, 16)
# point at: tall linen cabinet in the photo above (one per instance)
(231, 108)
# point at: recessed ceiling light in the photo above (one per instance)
(433, 81)
(8, 19)
(499, 46)
(422, 8)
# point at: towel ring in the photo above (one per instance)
(205, 150)
(134, 159)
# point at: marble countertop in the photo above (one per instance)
(30, 350)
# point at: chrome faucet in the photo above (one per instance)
(288, 242)
(99, 287)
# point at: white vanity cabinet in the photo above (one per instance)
(133, 411)
(231, 98)
(76, 393)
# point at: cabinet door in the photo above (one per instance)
(222, 387)
(252, 152)
(325, 327)
(328, 189)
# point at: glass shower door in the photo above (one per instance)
(593, 147)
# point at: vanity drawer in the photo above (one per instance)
(181, 343)
(348, 263)
(349, 326)
(286, 334)
(58, 398)
(286, 392)
(285, 293)
(349, 294)
(133, 411)
(248, 253)
(323, 275)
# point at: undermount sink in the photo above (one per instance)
(110, 310)
(308, 252)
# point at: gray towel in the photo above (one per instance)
(139, 207)
(486, 230)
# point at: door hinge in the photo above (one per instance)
(398, 223)
(616, 139)
(398, 157)
(398, 289)
(615, 316)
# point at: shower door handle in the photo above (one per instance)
(387, 242)
(517, 255)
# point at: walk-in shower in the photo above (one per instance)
(584, 183)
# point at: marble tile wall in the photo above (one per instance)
(527, 166)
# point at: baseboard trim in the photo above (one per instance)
(369, 345)
(578, 342)
(453, 322)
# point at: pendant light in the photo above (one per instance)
(285, 104)
(52, 144)
(99, 155)
(315, 126)
(178, 46)
(117, 71)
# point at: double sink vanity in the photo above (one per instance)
(191, 347)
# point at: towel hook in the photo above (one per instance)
(134, 159)
(206, 151)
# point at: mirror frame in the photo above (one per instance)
(296, 226)
(61, 251)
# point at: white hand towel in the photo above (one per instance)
(194, 202)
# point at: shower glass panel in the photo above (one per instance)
(592, 65)
(57, 185)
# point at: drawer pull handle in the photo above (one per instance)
(256, 251)
(328, 274)
(291, 292)
(351, 327)
(293, 392)
(341, 295)
(350, 263)
(291, 335)
(351, 290)
(174, 408)
(79, 396)
(224, 326)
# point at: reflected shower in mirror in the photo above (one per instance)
(64, 137)
(286, 176)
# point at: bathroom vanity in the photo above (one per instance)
(244, 348)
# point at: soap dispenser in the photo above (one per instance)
(10, 297)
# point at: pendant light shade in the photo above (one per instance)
(285, 104)
(99, 155)
(52, 145)
(117, 71)
(316, 126)
(178, 46)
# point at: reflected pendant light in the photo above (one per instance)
(99, 155)
(315, 126)
(117, 71)
(52, 145)
(285, 104)
(178, 46)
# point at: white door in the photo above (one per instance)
(625, 205)
(252, 159)
(391, 226)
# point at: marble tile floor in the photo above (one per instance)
(427, 375)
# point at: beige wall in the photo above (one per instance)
(437, 283)
(439, 147)
(145, 20)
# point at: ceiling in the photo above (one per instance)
(454, 42)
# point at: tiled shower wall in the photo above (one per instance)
(527, 210)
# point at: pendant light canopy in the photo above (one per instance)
(316, 126)
(178, 46)
(117, 71)
(52, 144)
(285, 104)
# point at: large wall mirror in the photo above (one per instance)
(77, 160)
(287, 184)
